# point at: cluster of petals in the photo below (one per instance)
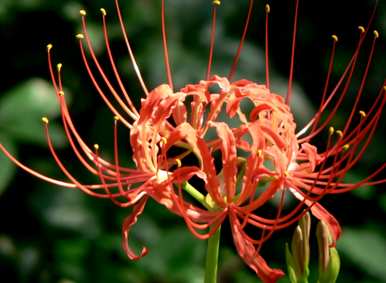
(235, 143)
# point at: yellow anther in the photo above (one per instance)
(335, 37)
(79, 36)
(178, 162)
(116, 118)
(362, 113)
(346, 147)
(331, 131)
(361, 29)
(96, 146)
(163, 141)
(376, 33)
(217, 2)
(82, 12)
(59, 67)
(45, 120)
(286, 173)
(49, 47)
(339, 133)
(103, 11)
(259, 152)
(61, 92)
(267, 8)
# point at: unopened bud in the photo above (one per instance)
(329, 261)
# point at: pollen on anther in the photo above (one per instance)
(339, 133)
(103, 11)
(82, 12)
(331, 131)
(267, 8)
(96, 146)
(217, 2)
(178, 162)
(61, 93)
(362, 113)
(335, 37)
(45, 120)
(59, 66)
(361, 29)
(346, 147)
(79, 36)
(376, 33)
(259, 152)
(116, 118)
(49, 47)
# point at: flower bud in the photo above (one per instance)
(298, 260)
(329, 261)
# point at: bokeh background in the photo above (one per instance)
(48, 234)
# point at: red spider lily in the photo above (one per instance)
(241, 157)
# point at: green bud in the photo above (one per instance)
(329, 261)
(298, 260)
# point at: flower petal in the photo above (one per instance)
(249, 254)
(126, 226)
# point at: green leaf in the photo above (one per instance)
(22, 107)
(367, 249)
(7, 167)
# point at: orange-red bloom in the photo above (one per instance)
(231, 145)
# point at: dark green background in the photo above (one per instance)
(48, 234)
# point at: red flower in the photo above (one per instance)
(205, 136)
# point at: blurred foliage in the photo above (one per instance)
(56, 235)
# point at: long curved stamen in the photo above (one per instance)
(131, 54)
(212, 38)
(113, 65)
(267, 11)
(291, 73)
(100, 69)
(238, 52)
(165, 46)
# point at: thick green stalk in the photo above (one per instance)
(212, 257)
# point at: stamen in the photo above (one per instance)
(59, 67)
(178, 162)
(45, 120)
(212, 41)
(82, 13)
(165, 46)
(362, 113)
(217, 2)
(80, 36)
(376, 33)
(49, 47)
(339, 133)
(267, 11)
(61, 93)
(331, 131)
(335, 38)
(103, 11)
(290, 79)
(96, 146)
(361, 29)
(346, 147)
(238, 53)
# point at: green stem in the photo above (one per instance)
(195, 194)
(212, 257)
